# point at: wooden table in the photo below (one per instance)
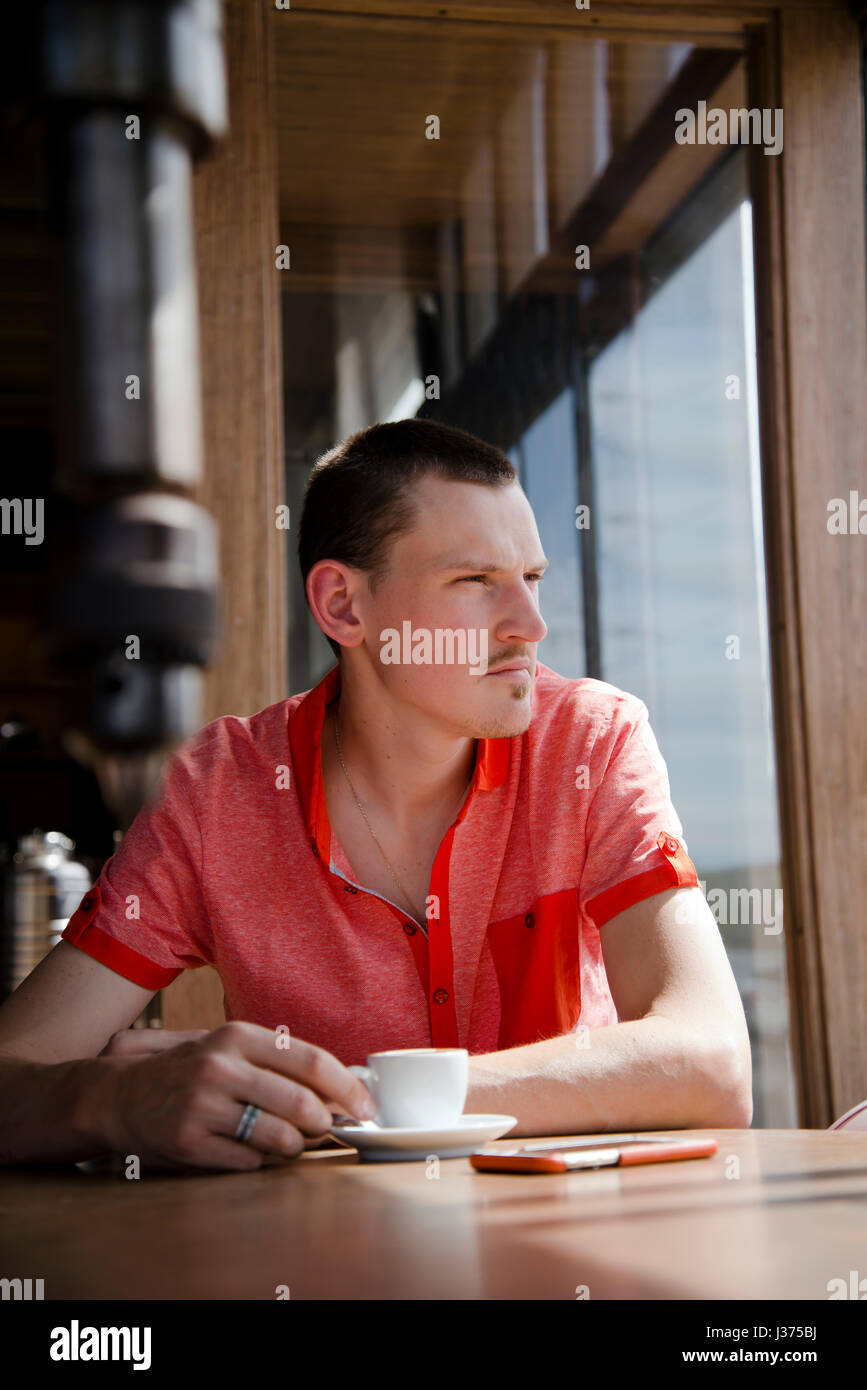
(774, 1214)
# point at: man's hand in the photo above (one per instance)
(175, 1098)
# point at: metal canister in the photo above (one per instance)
(44, 886)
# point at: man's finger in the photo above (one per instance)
(140, 1041)
(314, 1067)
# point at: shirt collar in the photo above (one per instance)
(305, 732)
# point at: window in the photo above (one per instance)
(555, 273)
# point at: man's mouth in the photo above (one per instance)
(513, 669)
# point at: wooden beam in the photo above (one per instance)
(668, 184)
(238, 286)
(651, 20)
(710, 30)
(628, 171)
(810, 278)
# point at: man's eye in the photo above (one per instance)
(471, 578)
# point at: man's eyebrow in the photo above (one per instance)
(481, 568)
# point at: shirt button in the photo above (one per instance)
(530, 920)
(409, 928)
(441, 996)
(87, 904)
(671, 844)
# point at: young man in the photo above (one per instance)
(438, 845)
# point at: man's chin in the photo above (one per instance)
(509, 722)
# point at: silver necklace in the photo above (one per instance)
(394, 876)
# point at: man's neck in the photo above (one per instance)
(411, 774)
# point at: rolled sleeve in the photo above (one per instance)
(145, 917)
(634, 837)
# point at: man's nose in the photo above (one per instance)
(523, 623)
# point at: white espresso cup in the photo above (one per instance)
(417, 1086)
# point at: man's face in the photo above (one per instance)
(472, 564)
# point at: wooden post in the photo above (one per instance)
(236, 228)
(810, 240)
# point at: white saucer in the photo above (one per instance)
(407, 1145)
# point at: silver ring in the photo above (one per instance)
(246, 1123)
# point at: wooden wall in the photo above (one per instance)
(236, 236)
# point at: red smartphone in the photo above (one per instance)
(590, 1154)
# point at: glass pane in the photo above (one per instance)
(683, 610)
(551, 483)
(496, 227)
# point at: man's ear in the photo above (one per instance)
(331, 587)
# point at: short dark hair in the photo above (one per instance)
(357, 500)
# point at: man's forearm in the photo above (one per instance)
(649, 1073)
(54, 1112)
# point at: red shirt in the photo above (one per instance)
(232, 863)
